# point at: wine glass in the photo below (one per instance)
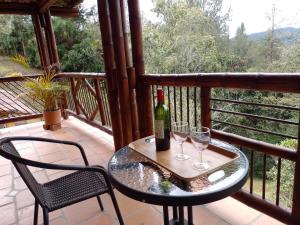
(180, 132)
(200, 137)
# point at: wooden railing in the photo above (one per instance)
(87, 99)
(15, 107)
(193, 98)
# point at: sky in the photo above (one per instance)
(253, 13)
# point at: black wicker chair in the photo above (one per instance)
(86, 182)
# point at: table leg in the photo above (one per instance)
(190, 215)
(175, 215)
(181, 215)
(166, 215)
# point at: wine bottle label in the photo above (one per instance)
(159, 129)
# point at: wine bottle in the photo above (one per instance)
(162, 123)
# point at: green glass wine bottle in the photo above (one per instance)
(162, 123)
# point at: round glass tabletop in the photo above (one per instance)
(141, 179)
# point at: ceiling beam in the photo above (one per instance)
(30, 9)
(64, 12)
(17, 8)
(44, 5)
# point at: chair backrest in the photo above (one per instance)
(8, 151)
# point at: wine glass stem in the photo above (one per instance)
(181, 148)
(200, 156)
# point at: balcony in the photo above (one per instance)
(120, 103)
(17, 203)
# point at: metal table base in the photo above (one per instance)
(178, 216)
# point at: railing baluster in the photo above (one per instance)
(175, 108)
(251, 171)
(278, 181)
(188, 104)
(264, 176)
(195, 106)
(180, 102)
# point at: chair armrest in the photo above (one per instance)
(27, 138)
(53, 166)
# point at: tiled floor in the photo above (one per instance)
(16, 202)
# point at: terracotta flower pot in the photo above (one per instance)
(52, 120)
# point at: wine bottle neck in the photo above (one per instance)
(160, 96)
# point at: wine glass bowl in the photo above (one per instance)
(200, 137)
(180, 132)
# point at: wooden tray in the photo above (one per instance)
(215, 156)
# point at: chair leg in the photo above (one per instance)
(46, 217)
(100, 203)
(113, 198)
(36, 213)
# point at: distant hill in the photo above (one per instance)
(287, 35)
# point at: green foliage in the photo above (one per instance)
(287, 175)
(46, 89)
(185, 40)
(21, 60)
(78, 43)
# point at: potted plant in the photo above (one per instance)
(49, 91)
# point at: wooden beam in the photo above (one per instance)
(64, 12)
(30, 9)
(44, 5)
(18, 8)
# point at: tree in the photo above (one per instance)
(183, 41)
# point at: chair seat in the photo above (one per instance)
(73, 188)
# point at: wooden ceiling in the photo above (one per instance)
(67, 8)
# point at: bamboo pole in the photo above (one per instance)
(131, 77)
(51, 38)
(41, 41)
(143, 92)
(109, 62)
(122, 81)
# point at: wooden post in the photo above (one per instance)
(64, 106)
(143, 92)
(122, 81)
(205, 107)
(296, 193)
(50, 36)
(109, 62)
(40, 41)
(100, 102)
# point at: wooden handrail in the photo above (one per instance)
(254, 144)
(99, 76)
(280, 82)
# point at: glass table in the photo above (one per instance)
(141, 179)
